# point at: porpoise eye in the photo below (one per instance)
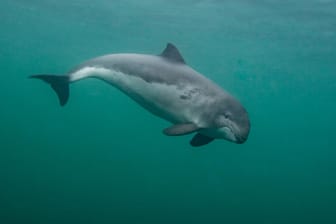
(227, 115)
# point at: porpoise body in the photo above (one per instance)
(168, 88)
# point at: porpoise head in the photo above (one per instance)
(230, 121)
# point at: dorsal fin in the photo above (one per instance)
(172, 53)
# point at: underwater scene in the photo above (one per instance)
(265, 154)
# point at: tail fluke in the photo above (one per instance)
(60, 85)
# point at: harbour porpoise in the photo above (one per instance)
(168, 88)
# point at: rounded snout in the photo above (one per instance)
(240, 139)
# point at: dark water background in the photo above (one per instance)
(103, 159)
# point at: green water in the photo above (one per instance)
(103, 159)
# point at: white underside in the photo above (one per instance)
(159, 98)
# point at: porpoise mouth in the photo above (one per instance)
(231, 136)
(240, 139)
